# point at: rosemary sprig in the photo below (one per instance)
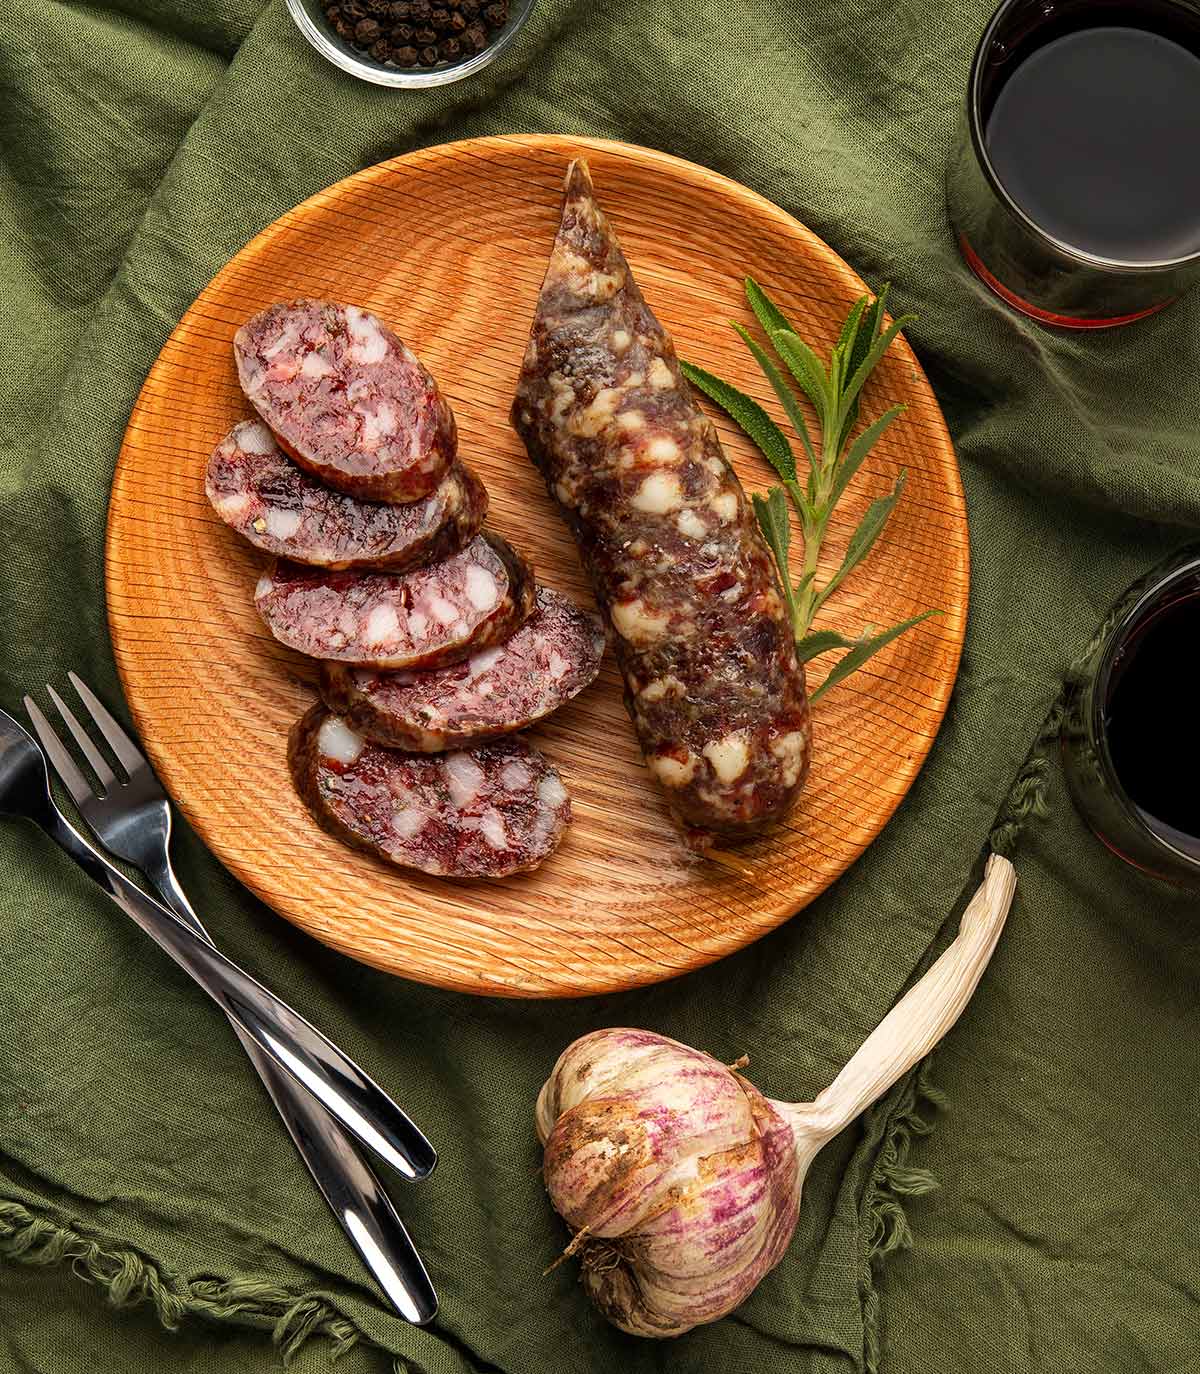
(834, 390)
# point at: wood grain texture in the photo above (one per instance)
(449, 246)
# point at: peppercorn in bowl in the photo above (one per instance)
(409, 43)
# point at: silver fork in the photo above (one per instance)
(132, 819)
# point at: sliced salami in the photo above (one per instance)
(484, 812)
(257, 489)
(668, 539)
(430, 616)
(550, 659)
(346, 399)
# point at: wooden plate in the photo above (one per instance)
(449, 245)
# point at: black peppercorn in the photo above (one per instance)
(496, 15)
(366, 31)
(402, 35)
(420, 11)
(475, 37)
(406, 56)
(457, 23)
(470, 9)
(450, 49)
(353, 10)
(381, 51)
(400, 12)
(440, 19)
(429, 56)
(334, 14)
(424, 37)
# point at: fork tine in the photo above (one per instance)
(93, 755)
(64, 765)
(118, 741)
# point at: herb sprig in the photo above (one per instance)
(834, 391)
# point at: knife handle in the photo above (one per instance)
(344, 1089)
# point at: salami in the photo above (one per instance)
(550, 659)
(429, 616)
(257, 489)
(677, 563)
(484, 812)
(346, 399)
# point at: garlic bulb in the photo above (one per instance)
(681, 1181)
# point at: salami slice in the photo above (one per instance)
(257, 489)
(550, 659)
(665, 532)
(484, 812)
(346, 399)
(429, 616)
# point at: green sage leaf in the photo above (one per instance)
(766, 312)
(806, 367)
(771, 512)
(863, 539)
(787, 397)
(847, 339)
(820, 642)
(749, 416)
(871, 360)
(863, 650)
(858, 451)
(871, 324)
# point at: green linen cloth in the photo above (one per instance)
(152, 1210)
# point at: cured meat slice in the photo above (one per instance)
(550, 659)
(432, 615)
(668, 539)
(428, 616)
(483, 812)
(346, 399)
(257, 489)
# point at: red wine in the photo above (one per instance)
(1152, 720)
(1096, 136)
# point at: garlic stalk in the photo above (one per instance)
(681, 1181)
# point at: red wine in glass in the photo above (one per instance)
(1152, 719)
(1074, 188)
(1096, 136)
(1131, 728)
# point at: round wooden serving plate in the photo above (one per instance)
(449, 245)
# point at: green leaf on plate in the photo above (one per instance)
(863, 650)
(861, 541)
(766, 312)
(820, 642)
(787, 397)
(858, 451)
(749, 416)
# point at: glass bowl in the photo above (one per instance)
(310, 20)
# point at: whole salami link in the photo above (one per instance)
(485, 812)
(430, 616)
(675, 558)
(257, 489)
(346, 399)
(496, 691)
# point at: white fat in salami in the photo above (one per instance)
(257, 489)
(346, 399)
(549, 660)
(667, 536)
(433, 615)
(484, 812)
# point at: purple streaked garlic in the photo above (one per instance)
(681, 1181)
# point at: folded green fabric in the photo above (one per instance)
(143, 144)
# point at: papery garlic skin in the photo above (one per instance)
(681, 1181)
(690, 1174)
